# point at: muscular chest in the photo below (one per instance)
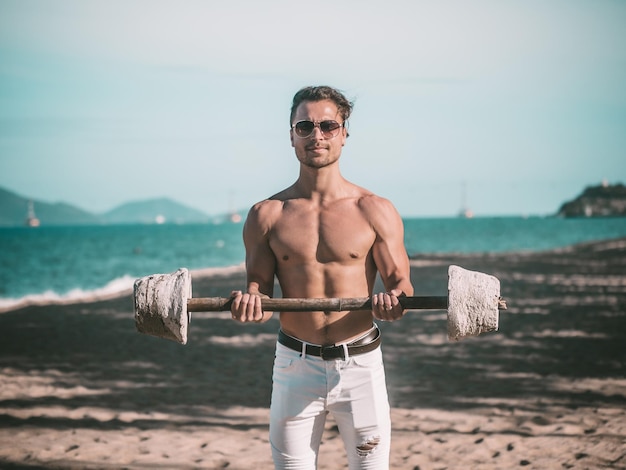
(321, 236)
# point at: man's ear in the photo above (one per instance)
(291, 137)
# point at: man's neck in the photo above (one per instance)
(324, 184)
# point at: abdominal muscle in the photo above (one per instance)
(333, 280)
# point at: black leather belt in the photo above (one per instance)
(363, 345)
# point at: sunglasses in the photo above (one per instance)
(329, 129)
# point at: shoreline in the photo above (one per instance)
(115, 289)
(123, 287)
(80, 388)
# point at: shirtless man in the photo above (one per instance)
(325, 237)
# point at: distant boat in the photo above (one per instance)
(233, 215)
(465, 212)
(31, 218)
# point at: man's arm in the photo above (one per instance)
(390, 257)
(260, 266)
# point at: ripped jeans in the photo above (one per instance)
(306, 389)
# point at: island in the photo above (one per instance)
(604, 200)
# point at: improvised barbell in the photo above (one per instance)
(163, 303)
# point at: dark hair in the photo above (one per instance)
(320, 93)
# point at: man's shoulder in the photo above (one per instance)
(276, 203)
(379, 211)
(262, 216)
(368, 201)
(266, 208)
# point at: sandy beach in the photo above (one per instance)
(81, 389)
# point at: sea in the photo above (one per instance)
(41, 265)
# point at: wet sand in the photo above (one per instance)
(80, 388)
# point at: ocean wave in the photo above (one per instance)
(119, 287)
(116, 288)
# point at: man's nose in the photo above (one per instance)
(317, 133)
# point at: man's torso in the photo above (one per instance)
(323, 251)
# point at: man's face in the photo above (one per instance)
(316, 150)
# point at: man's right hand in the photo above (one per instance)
(246, 307)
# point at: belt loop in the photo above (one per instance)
(346, 355)
(303, 355)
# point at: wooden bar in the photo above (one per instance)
(222, 304)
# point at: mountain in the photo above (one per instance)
(154, 211)
(14, 211)
(605, 200)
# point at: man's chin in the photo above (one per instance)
(317, 162)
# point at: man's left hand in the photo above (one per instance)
(386, 306)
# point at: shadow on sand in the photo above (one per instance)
(566, 321)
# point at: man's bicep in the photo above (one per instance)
(260, 260)
(389, 250)
(260, 269)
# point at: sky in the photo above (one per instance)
(510, 107)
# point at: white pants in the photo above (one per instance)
(306, 389)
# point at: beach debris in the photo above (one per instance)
(163, 304)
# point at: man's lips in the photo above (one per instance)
(315, 147)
